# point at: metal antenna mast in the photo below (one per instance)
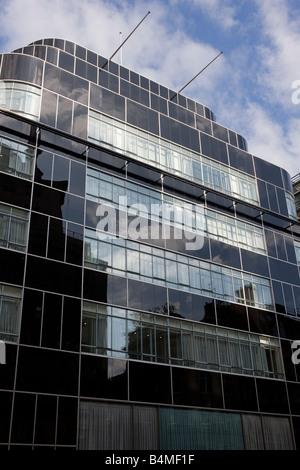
(195, 76)
(121, 45)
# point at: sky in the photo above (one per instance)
(253, 87)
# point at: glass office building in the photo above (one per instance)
(149, 275)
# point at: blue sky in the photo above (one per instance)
(249, 87)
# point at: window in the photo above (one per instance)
(173, 158)
(10, 312)
(13, 228)
(16, 158)
(126, 333)
(21, 98)
(297, 248)
(290, 201)
(102, 187)
(155, 265)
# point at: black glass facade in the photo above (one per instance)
(121, 340)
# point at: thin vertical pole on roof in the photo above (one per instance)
(122, 44)
(121, 57)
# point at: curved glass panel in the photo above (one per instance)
(22, 67)
(21, 98)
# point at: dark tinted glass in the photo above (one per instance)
(66, 84)
(144, 82)
(45, 426)
(51, 55)
(51, 321)
(263, 322)
(294, 393)
(5, 411)
(278, 297)
(272, 396)
(66, 61)
(70, 339)
(38, 234)
(142, 117)
(220, 132)
(11, 267)
(179, 133)
(23, 418)
(48, 201)
(106, 288)
(64, 115)
(134, 92)
(80, 119)
(149, 383)
(43, 170)
(67, 421)
(86, 70)
(225, 254)
(255, 263)
(203, 124)
(272, 197)
(77, 179)
(289, 299)
(53, 276)
(31, 317)
(53, 371)
(285, 272)
(281, 201)
(23, 68)
(181, 114)
(287, 181)
(191, 306)
(268, 172)
(74, 248)
(108, 80)
(149, 297)
(239, 393)
(232, 138)
(231, 315)
(288, 327)
(80, 52)
(14, 191)
(196, 388)
(56, 239)
(107, 101)
(159, 104)
(105, 378)
(290, 249)
(214, 148)
(48, 108)
(271, 244)
(60, 173)
(73, 209)
(241, 160)
(263, 195)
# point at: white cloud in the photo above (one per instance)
(157, 49)
(223, 12)
(279, 56)
(162, 49)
